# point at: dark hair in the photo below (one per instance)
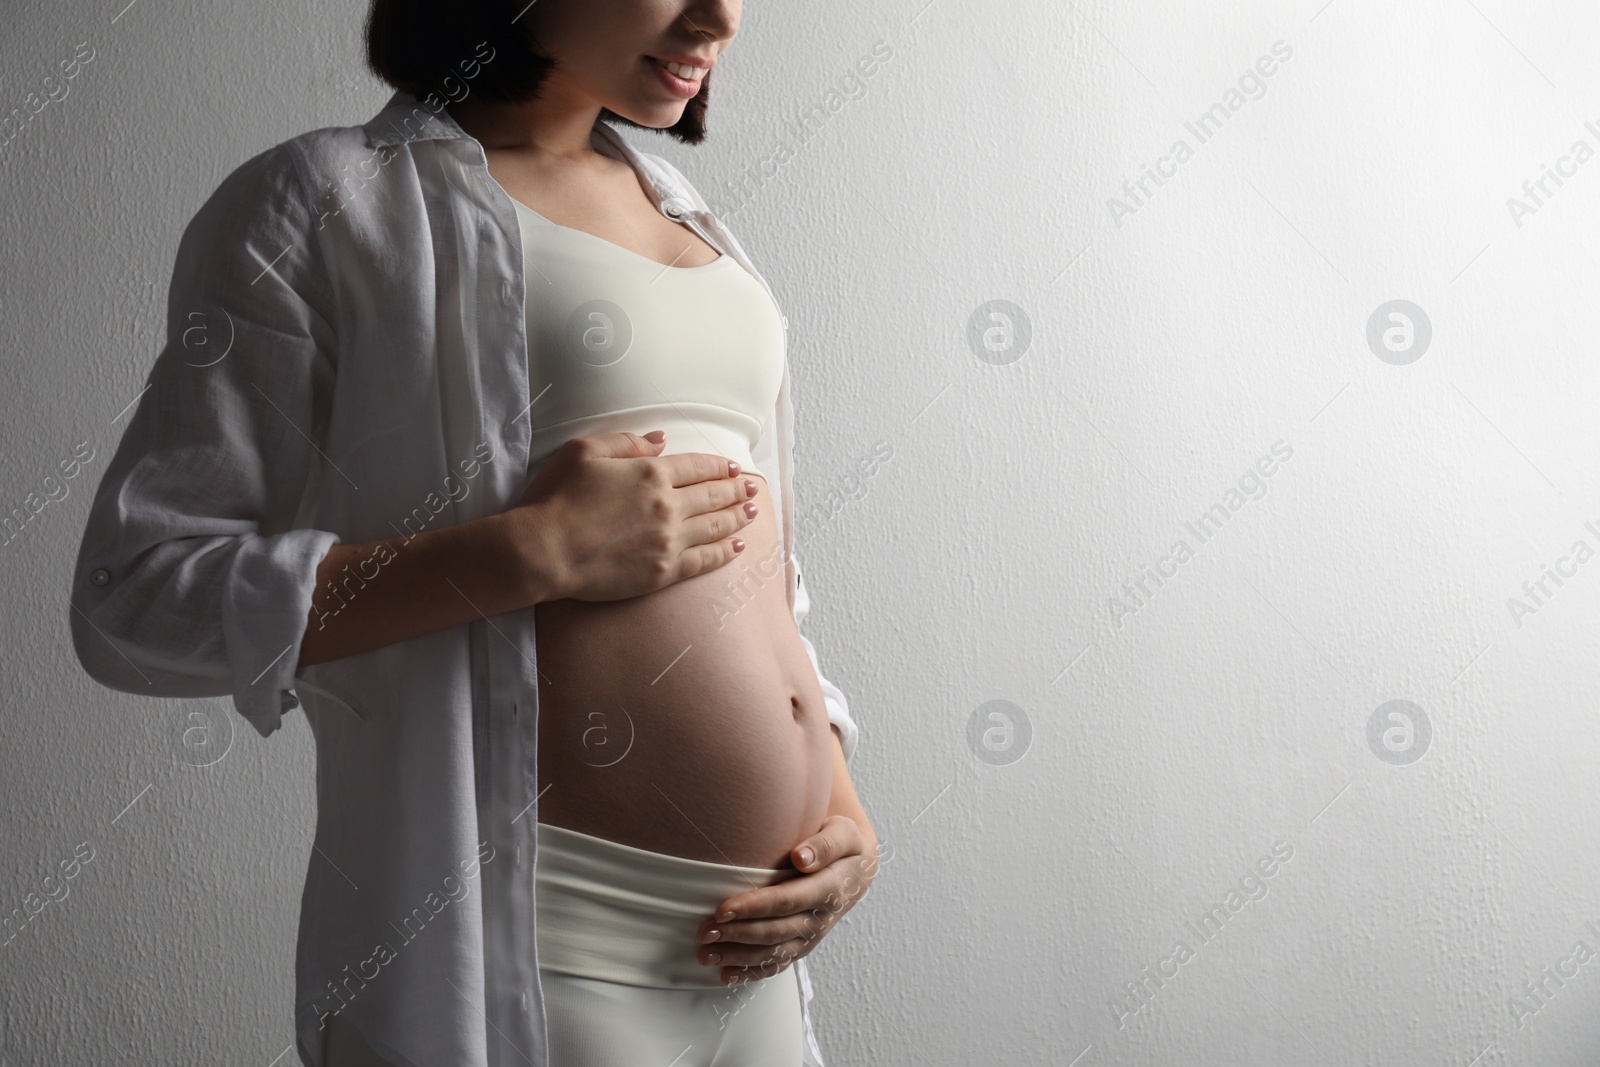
(424, 47)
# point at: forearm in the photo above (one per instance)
(376, 593)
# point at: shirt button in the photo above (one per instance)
(505, 289)
(100, 576)
(673, 206)
(524, 1001)
(519, 855)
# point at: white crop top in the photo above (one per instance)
(617, 341)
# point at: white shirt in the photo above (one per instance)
(346, 361)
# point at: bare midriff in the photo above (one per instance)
(687, 721)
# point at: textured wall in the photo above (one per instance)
(1112, 675)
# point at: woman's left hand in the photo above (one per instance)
(777, 924)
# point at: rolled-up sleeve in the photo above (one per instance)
(193, 577)
(832, 695)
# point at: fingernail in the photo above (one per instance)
(713, 957)
(738, 546)
(751, 507)
(806, 856)
(726, 916)
(733, 469)
(749, 488)
(711, 935)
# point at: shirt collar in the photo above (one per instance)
(404, 119)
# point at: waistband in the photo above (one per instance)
(690, 427)
(622, 914)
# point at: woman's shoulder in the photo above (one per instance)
(319, 173)
(327, 155)
(281, 181)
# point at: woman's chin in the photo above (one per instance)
(657, 114)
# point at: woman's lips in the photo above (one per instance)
(680, 87)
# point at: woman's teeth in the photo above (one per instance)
(692, 74)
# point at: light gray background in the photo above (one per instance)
(1026, 488)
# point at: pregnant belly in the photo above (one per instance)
(687, 721)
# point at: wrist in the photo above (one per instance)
(524, 534)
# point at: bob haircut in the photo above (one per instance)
(468, 47)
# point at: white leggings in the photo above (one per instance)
(593, 1021)
(623, 986)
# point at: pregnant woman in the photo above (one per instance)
(684, 744)
(584, 687)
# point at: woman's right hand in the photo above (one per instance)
(609, 518)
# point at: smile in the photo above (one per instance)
(681, 70)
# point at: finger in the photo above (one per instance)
(735, 954)
(721, 549)
(838, 836)
(758, 932)
(709, 498)
(687, 468)
(793, 895)
(720, 523)
(621, 445)
(698, 559)
(768, 959)
(724, 491)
